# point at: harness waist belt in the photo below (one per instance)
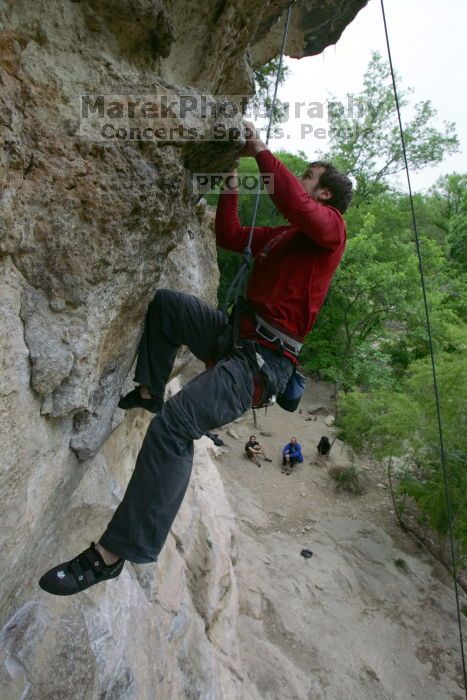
(268, 332)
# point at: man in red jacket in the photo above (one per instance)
(294, 264)
(293, 267)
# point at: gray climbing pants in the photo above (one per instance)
(217, 396)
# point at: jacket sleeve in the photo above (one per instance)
(323, 224)
(230, 234)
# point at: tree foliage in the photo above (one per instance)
(449, 213)
(366, 143)
(402, 422)
(265, 80)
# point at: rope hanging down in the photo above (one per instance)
(432, 354)
(239, 282)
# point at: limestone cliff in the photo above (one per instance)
(88, 231)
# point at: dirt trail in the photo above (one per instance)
(371, 614)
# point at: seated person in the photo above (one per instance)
(324, 445)
(291, 454)
(253, 449)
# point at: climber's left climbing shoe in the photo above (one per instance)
(134, 400)
(85, 570)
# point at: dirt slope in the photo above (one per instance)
(370, 614)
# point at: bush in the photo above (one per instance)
(404, 423)
(348, 479)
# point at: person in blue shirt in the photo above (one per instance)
(291, 454)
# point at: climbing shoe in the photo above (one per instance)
(134, 400)
(87, 569)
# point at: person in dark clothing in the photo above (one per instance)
(293, 267)
(254, 450)
(324, 445)
(291, 454)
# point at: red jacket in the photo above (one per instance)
(293, 265)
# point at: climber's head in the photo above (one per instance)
(327, 185)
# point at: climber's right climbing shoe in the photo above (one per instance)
(134, 400)
(85, 570)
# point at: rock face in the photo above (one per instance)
(163, 630)
(88, 231)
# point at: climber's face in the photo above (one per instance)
(310, 182)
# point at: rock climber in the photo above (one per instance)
(293, 267)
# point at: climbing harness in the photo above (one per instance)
(432, 354)
(269, 332)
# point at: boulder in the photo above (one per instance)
(317, 409)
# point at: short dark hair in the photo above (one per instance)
(339, 185)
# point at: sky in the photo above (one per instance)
(428, 51)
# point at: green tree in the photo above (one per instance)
(403, 423)
(265, 80)
(442, 216)
(373, 322)
(449, 214)
(369, 146)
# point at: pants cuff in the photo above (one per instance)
(144, 381)
(126, 551)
